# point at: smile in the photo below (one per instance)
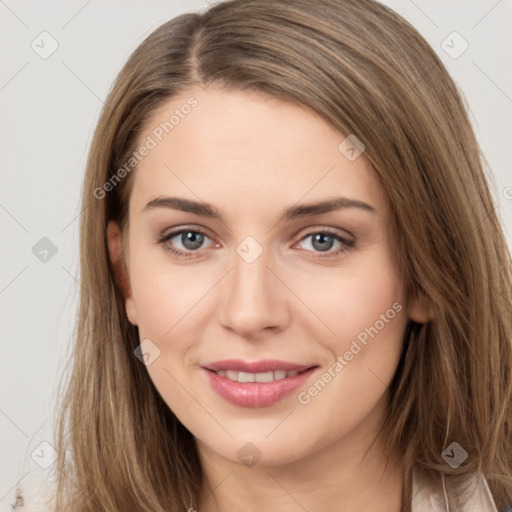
(256, 389)
(257, 377)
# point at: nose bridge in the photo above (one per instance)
(254, 299)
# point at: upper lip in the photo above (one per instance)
(265, 365)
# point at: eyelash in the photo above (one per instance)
(347, 244)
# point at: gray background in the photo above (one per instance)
(49, 110)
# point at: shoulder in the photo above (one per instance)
(471, 492)
(34, 492)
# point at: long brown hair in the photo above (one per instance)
(367, 72)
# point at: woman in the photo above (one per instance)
(226, 358)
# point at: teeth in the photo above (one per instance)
(246, 377)
(264, 377)
(257, 377)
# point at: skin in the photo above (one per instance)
(251, 156)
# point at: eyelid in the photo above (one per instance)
(185, 227)
(322, 228)
(170, 233)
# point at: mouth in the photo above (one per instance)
(256, 389)
(255, 367)
(269, 376)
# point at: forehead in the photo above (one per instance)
(247, 146)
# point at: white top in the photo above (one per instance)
(474, 495)
(37, 491)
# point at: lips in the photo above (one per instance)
(256, 384)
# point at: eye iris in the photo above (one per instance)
(196, 239)
(321, 237)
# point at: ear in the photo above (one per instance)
(420, 309)
(117, 258)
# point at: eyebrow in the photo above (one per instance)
(302, 210)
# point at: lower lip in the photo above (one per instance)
(256, 394)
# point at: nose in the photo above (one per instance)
(254, 298)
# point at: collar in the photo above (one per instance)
(473, 493)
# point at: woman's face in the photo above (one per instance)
(317, 288)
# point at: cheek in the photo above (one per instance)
(166, 296)
(366, 313)
(362, 301)
(167, 304)
(371, 306)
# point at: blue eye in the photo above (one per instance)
(324, 240)
(193, 239)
